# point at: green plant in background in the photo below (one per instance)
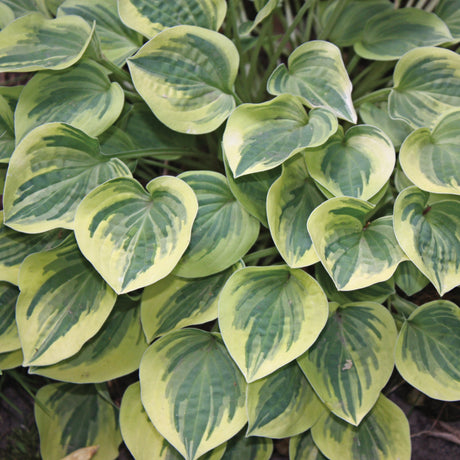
(270, 168)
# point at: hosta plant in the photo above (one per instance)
(251, 207)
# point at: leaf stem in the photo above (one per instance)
(117, 72)
(376, 96)
(333, 20)
(256, 256)
(160, 164)
(141, 153)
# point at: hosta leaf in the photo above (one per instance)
(51, 171)
(6, 15)
(409, 278)
(263, 13)
(114, 142)
(11, 94)
(35, 43)
(382, 435)
(7, 139)
(15, 247)
(426, 86)
(352, 359)
(302, 447)
(11, 359)
(259, 137)
(317, 74)
(393, 32)
(118, 42)
(23, 7)
(149, 17)
(290, 201)
(269, 316)
(282, 404)
(53, 5)
(174, 302)
(135, 237)
(449, 12)
(186, 76)
(82, 96)
(429, 234)
(357, 163)
(223, 230)
(116, 350)
(401, 180)
(431, 160)
(252, 448)
(76, 416)
(356, 253)
(192, 391)
(9, 338)
(62, 304)
(427, 350)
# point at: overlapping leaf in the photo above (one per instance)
(23, 7)
(7, 139)
(318, 76)
(247, 27)
(33, 42)
(6, 15)
(426, 86)
(352, 359)
(427, 350)
(290, 201)
(431, 159)
(302, 447)
(186, 76)
(269, 316)
(252, 448)
(357, 163)
(62, 304)
(409, 278)
(11, 359)
(82, 96)
(192, 391)
(429, 233)
(135, 237)
(9, 338)
(259, 137)
(51, 171)
(449, 12)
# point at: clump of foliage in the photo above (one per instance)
(244, 200)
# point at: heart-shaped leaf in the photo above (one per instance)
(269, 316)
(396, 31)
(382, 435)
(431, 160)
(318, 76)
(427, 350)
(356, 164)
(135, 237)
(7, 138)
(186, 76)
(192, 391)
(151, 17)
(259, 137)
(50, 172)
(302, 447)
(82, 96)
(252, 448)
(9, 337)
(33, 42)
(63, 303)
(352, 359)
(429, 233)
(426, 86)
(290, 201)
(355, 252)
(449, 12)
(409, 278)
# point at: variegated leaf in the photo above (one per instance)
(302, 447)
(174, 303)
(400, 179)
(252, 448)
(50, 172)
(223, 230)
(11, 94)
(6, 15)
(396, 31)
(427, 350)
(352, 359)
(118, 42)
(135, 237)
(409, 278)
(149, 17)
(267, 9)
(62, 304)
(269, 316)
(53, 5)
(449, 12)
(356, 253)
(33, 42)
(318, 76)
(382, 435)
(7, 138)
(282, 404)
(192, 391)
(9, 337)
(357, 163)
(426, 86)
(185, 74)
(23, 7)
(429, 233)
(70, 417)
(11, 359)
(431, 159)
(290, 201)
(114, 142)
(116, 350)
(259, 137)
(82, 96)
